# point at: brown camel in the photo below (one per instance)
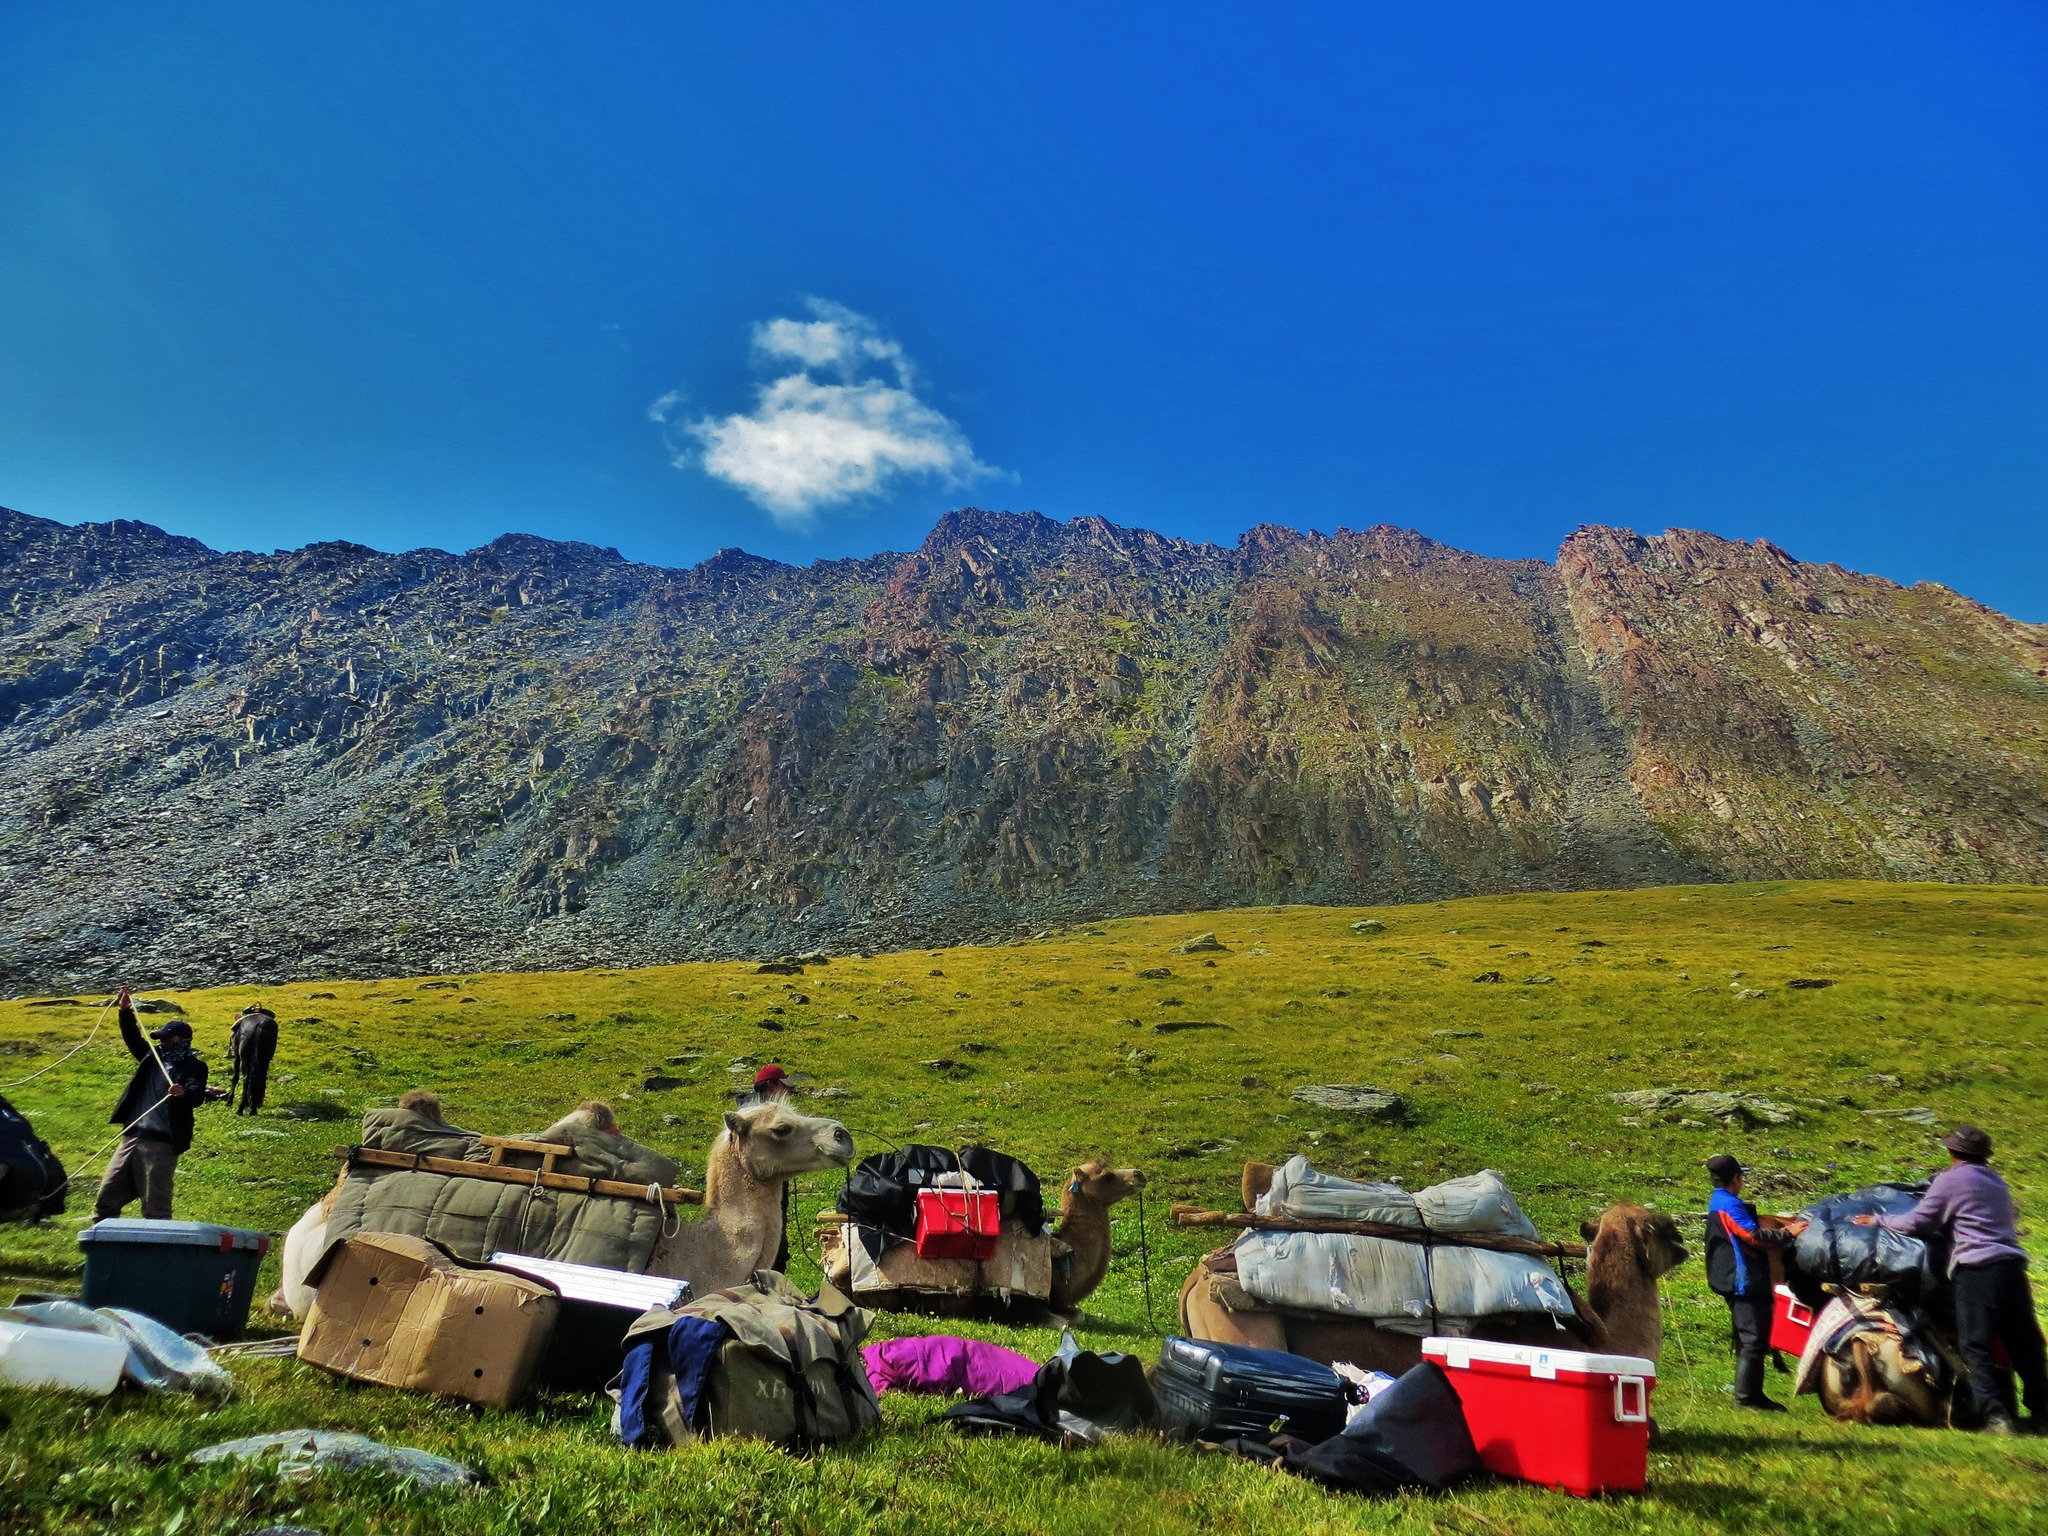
(757, 1149)
(762, 1147)
(1065, 1264)
(1631, 1249)
(1091, 1190)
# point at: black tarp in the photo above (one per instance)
(32, 1181)
(881, 1192)
(1077, 1393)
(1413, 1435)
(1833, 1250)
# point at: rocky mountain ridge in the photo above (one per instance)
(334, 760)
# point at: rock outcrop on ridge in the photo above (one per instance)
(334, 761)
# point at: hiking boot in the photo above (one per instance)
(2000, 1424)
(1760, 1404)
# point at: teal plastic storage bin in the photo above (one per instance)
(191, 1276)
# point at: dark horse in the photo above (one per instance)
(251, 1044)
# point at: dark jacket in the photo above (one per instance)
(139, 1111)
(1736, 1262)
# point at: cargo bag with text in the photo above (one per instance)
(760, 1359)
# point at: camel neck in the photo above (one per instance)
(727, 1181)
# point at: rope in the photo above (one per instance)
(661, 1210)
(95, 1156)
(1145, 1263)
(105, 1008)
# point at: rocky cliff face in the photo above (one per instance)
(336, 761)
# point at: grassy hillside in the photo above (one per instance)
(1054, 1049)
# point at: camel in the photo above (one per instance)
(759, 1148)
(1067, 1263)
(1631, 1249)
(1092, 1188)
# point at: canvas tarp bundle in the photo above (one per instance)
(1409, 1287)
(1402, 1286)
(1479, 1202)
(475, 1218)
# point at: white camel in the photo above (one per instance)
(759, 1149)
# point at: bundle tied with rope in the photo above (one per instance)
(1408, 1262)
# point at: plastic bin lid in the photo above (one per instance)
(1456, 1354)
(182, 1234)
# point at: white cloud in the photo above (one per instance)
(846, 422)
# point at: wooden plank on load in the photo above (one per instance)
(1498, 1242)
(376, 1157)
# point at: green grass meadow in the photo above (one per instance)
(1052, 1049)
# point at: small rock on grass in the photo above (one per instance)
(1352, 1099)
(1368, 925)
(1201, 943)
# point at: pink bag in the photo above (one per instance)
(943, 1364)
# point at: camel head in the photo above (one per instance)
(774, 1142)
(1096, 1183)
(1628, 1234)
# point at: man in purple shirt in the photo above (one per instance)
(1971, 1207)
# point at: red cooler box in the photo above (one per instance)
(957, 1224)
(1570, 1420)
(1791, 1322)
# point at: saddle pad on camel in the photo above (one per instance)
(475, 1218)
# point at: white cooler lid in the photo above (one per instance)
(1457, 1354)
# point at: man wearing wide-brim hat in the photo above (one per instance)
(1970, 1207)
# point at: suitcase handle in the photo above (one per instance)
(1622, 1412)
(1798, 1314)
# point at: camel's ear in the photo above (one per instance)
(1644, 1230)
(1589, 1229)
(735, 1127)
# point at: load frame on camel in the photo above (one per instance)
(581, 1192)
(1359, 1273)
(928, 1229)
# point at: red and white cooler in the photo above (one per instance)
(1791, 1322)
(1569, 1420)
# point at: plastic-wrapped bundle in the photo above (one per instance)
(1833, 1250)
(1399, 1285)
(1479, 1202)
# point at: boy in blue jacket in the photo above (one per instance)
(1739, 1271)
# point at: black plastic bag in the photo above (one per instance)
(32, 1180)
(1412, 1435)
(1833, 1250)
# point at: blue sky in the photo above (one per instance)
(799, 277)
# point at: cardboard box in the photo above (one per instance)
(404, 1312)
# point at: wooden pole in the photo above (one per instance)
(1498, 1242)
(375, 1157)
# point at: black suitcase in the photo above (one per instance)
(1220, 1391)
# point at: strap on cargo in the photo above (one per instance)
(661, 1211)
